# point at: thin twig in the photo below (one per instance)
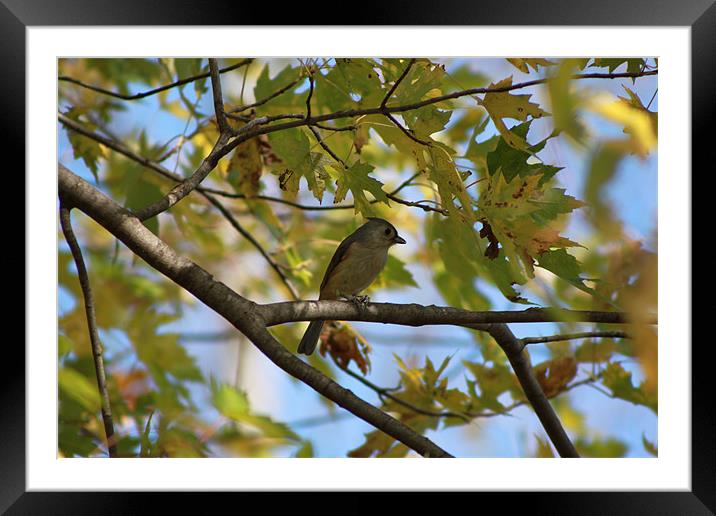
(142, 95)
(407, 131)
(383, 392)
(337, 129)
(326, 147)
(398, 81)
(206, 193)
(417, 204)
(248, 236)
(573, 336)
(352, 113)
(310, 95)
(155, 167)
(106, 409)
(241, 109)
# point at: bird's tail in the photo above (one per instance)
(310, 338)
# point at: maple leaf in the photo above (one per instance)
(294, 149)
(634, 65)
(505, 105)
(523, 64)
(344, 344)
(246, 167)
(524, 218)
(554, 375)
(357, 179)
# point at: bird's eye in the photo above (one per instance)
(387, 231)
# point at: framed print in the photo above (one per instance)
(500, 216)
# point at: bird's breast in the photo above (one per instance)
(356, 271)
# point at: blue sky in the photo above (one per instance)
(633, 195)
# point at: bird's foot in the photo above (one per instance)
(360, 301)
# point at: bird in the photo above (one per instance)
(354, 266)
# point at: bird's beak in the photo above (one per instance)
(399, 240)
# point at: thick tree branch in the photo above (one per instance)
(205, 192)
(419, 315)
(239, 311)
(154, 91)
(105, 406)
(522, 367)
(189, 184)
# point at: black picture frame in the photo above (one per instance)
(700, 15)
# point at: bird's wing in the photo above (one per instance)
(340, 254)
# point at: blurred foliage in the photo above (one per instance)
(492, 216)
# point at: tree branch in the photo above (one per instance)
(300, 119)
(218, 97)
(398, 81)
(224, 144)
(248, 236)
(106, 408)
(239, 311)
(520, 362)
(233, 112)
(142, 95)
(572, 336)
(155, 167)
(419, 315)
(205, 192)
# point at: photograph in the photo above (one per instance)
(357, 257)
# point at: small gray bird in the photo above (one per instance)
(355, 264)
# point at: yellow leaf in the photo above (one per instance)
(245, 168)
(523, 64)
(505, 105)
(637, 122)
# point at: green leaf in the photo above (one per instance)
(145, 444)
(619, 381)
(424, 79)
(84, 148)
(78, 387)
(267, 86)
(566, 101)
(293, 147)
(649, 446)
(395, 274)
(426, 120)
(634, 65)
(229, 401)
(64, 345)
(357, 179)
(591, 351)
(493, 381)
(566, 266)
(512, 162)
(601, 448)
(524, 64)
(305, 451)
(75, 441)
(234, 404)
(141, 193)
